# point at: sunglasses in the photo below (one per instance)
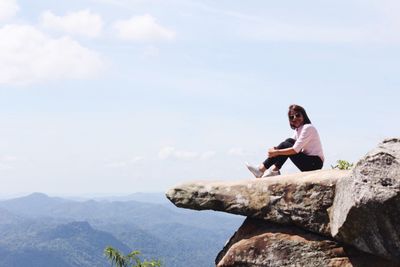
(293, 117)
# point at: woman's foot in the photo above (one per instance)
(254, 170)
(272, 173)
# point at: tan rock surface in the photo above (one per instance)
(258, 243)
(366, 210)
(300, 199)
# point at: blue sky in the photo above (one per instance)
(118, 96)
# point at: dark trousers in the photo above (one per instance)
(302, 161)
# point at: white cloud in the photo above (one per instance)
(172, 152)
(7, 158)
(378, 22)
(143, 28)
(136, 159)
(6, 162)
(125, 163)
(236, 152)
(207, 155)
(374, 21)
(181, 154)
(8, 9)
(270, 30)
(29, 56)
(82, 22)
(166, 152)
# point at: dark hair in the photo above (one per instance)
(302, 111)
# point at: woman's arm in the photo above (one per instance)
(273, 152)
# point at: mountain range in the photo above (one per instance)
(43, 231)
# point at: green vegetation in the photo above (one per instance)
(342, 165)
(38, 230)
(130, 260)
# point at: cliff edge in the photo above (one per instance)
(318, 218)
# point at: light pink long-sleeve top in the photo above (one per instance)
(308, 141)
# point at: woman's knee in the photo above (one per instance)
(287, 143)
(290, 140)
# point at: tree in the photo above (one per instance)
(130, 260)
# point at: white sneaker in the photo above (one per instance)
(254, 170)
(272, 173)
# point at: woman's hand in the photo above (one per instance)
(273, 152)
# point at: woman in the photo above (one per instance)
(304, 148)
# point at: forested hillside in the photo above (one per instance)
(38, 230)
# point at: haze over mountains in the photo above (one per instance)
(38, 230)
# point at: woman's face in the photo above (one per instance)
(296, 118)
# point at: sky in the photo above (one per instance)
(124, 96)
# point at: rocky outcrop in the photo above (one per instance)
(300, 199)
(366, 209)
(260, 243)
(310, 213)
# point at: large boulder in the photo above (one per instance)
(300, 199)
(259, 243)
(366, 210)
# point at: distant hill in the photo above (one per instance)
(72, 244)
(7, 217)
(32, 205)
(145, 215)
(154, 197)
(52, 227)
